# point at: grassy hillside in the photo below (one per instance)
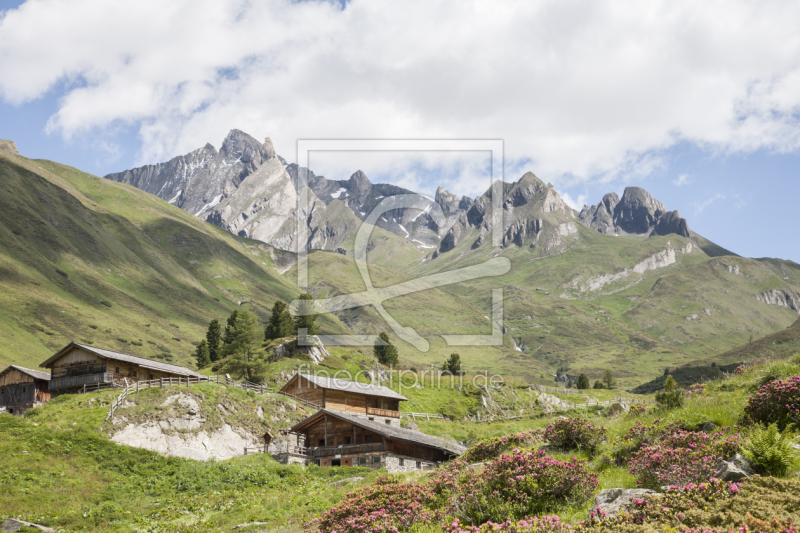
(87, 259)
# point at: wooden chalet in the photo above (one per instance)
(22, 388)
(77, 365)
(337, 438)
(374, 402)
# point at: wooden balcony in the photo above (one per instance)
(346, 449)
(80, 381)
(383, 412)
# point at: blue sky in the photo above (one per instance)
(698, 104)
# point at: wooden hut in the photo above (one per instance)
(22, 388)
(374, 402)
(78, 365)
(336, 438)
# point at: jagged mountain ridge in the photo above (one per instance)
(248, 189)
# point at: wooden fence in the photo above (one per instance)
(130, 388)
(426, 416)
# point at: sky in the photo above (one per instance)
(697, 102)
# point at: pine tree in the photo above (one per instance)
(304, 319)
(244, 348)
(202, 355)
(230, 327)
(583, 382)
(213, 341)
(386, 354)
(672, 396)
(608, 379)
(280, 323)
(453, 365)
(598, 384)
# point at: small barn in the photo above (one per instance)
(336, 438)
(374, 402)
(77, 365)
(22, 388)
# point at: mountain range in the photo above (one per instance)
(141, 261)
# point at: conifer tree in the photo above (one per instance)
(583, 382)
(609, 381)
(304, 319)
(244, 349)
(230, 326)
(213, 340)
(280, 323)
(386, 354)
(453, 364)
(202, 355)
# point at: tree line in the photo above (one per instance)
(241, 344)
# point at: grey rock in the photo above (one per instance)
(9, 146)
(736, 468)
(781, 298)
(672, 222)
(708, 427)
(347, 481)
(12, 524)
(612, 500)
(250, 524)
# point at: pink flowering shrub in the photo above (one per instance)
(542, 524)
(490, 448)
(386, 506)
(639, 435)
(637, 409)
(682, 457)
(778, 401)
(574, 434)
(521, 484)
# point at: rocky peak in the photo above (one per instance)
(524, 190)
(636, 213)
(359, 183)
(448, 201)
(268, 149)
(240, 146)
(9, 146)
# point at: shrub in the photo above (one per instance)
(388, 505)
(543, 524)
(637, 409)
(92, 326)
(574, 434)
(522, 484)
(490, 448)
(106, 303)
(771, 450)
(682, 457)
(777, 401)
(671, 397)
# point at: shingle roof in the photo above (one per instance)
(353, 386)
(393, 432)
(140, 361)
(36, 374)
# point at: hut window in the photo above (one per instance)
(372, 418)
(388, 422)
(362, 460)
(347, 440)
(116, 370)
(134, 373)
(367, 438)
(419, 465)
(23, 389)
(402, 462)
(321, 442)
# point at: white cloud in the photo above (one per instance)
(700, 206)
(578, 90)
(574, 204)
(683, 179)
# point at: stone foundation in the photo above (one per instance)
(290, 458)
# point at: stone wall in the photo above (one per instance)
(400, 463)
(290, 458)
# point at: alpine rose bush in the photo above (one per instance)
(682, 457)
(490, 448)
(574, 434)
(521, 484)
(778, 401)
(543, 524)
(386, 506)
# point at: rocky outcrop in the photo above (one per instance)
(656, 261)
(612, 501)
(736, 468)
(9, 146)
(550, 403)
(14, 524)
(636, 213)
(316, 354)
(781, 298)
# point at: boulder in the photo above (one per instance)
(736, 468)
(612, 500)
(708, 427)
(347, 480)
(12, 524)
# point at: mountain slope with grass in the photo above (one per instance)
(87, 259)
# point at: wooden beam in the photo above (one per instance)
(326, 430)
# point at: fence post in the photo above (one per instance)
(162, 383)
